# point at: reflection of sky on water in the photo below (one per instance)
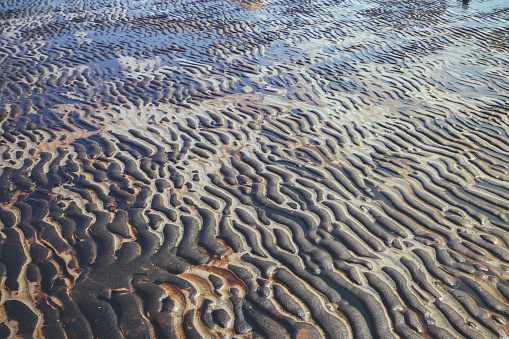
(478, 5)
(484, 5)
(291, 32)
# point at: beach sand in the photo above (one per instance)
(271, 169)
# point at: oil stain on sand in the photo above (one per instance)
(243, 169)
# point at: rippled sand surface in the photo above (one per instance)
(239, 169)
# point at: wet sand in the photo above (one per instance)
(277, 169)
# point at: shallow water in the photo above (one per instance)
(254, 169)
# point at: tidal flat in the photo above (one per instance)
(254, 169)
